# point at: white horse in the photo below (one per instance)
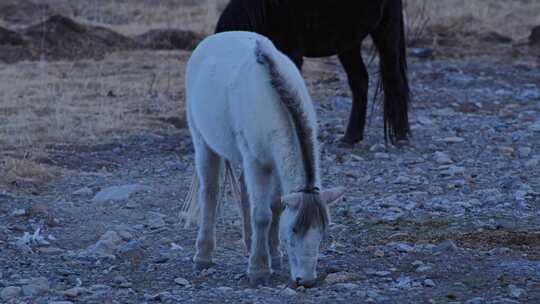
(247, 103)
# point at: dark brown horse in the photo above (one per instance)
(319, 28)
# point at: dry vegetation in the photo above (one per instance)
(88, 101)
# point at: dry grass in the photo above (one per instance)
(513, 18)
(16, 171)
(89, 101)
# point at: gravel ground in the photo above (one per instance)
(451, 217)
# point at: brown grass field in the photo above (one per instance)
(89, 101)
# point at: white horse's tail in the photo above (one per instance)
(190, 210)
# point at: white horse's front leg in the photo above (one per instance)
(208, 169)
(258, 180)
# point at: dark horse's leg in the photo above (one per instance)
(389, 38)
(359, 82)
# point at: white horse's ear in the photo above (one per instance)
(332, 195)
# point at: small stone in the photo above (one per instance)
(84, 191)
(74, 292)
(379, 253)
(377, 148)
(532, 164)
(181, 282)
(429, 283)
(19, 212)
(125, 235)
(224, 289)
(422, 53)
(402, 179)
(453, 140)
(51, 250)
(446, 246)
(106, 245)
(417, 263)
(509, 151)
(382, 273)
(498, 251)
(10, 292)
(477, 300)
(524, 152)
(36, 286)
(346, 286)
(339, 277)
(381, 155)
(155, 220)
(289, 292)
(516, 292)
(402, 247)
(424, 268)
(118, 193)
(535, 127)
(442, 158)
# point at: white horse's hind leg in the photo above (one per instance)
(246, 216)
(208, 169)
(275, 251)
(258, 180)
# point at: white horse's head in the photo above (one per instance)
(303, 224)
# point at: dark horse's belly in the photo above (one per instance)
(335, 28)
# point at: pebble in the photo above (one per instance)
(84, 191)
(289, 292)
(74, 292)
(10, 292)
(51, 250)
(118, 193)
(36, 286)
(377, 148)
(224, 289)
(105, 246)
(453, 140)
(477, 300)
(446, 246)
(424, 268)
(532, 164)
(181, 282)
(19, 212)
(516, 292)
(381, 155)
(442, 158)
(429, 283)
(524, 152)
(402, 247)
(339, 277)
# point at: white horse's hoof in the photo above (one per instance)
(202, 265)
(261, 278)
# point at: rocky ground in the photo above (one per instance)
(451, 217)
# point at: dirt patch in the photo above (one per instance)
(170, 39)
(62, 38)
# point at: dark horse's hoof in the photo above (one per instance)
(202, 265)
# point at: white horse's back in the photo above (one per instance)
(230, 94)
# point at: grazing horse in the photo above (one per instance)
(247, 104)
(319, 28)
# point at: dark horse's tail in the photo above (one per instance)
(390, 41)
